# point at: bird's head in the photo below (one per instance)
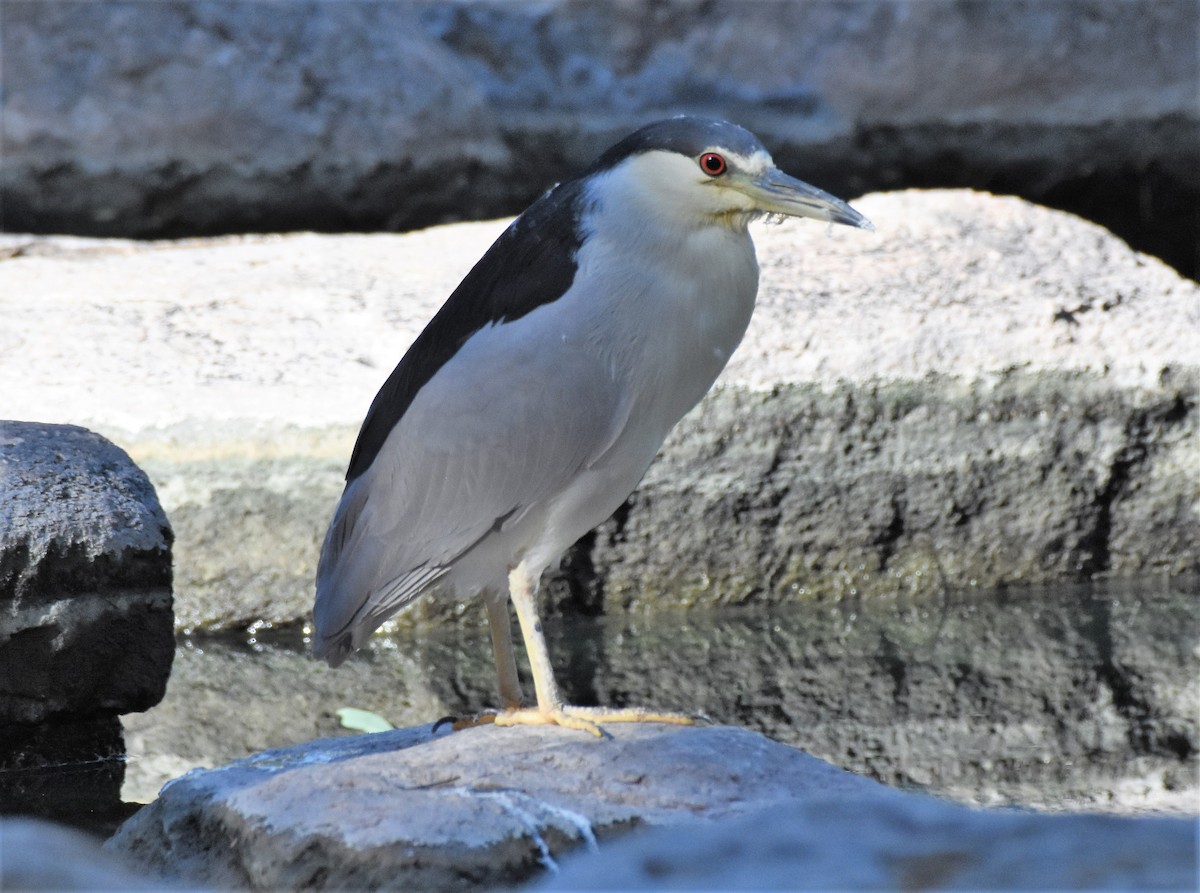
(700, 171)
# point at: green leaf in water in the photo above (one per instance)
(363, 720)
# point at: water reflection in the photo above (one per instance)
(1054, 697)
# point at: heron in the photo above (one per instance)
(533, 402)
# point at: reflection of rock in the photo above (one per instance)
(1021, 698)
(982, 697)
(1046, 697)
(86, 629)
(910, 408)
(229, 117)
(226, 702)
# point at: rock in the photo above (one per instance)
(982, 393)
(86, 627)
(457, 811)
(85, 577)
(879, 841)
(43, 856)
(222, 117)
(141, 119)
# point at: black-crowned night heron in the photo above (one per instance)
(534, 401)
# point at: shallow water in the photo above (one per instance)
(1067, 697)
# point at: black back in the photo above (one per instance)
(531, 264)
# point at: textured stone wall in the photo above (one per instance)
(172, 119)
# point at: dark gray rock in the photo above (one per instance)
(888, 843)
(86, 625)
(455, 811)
(488, 807)
(169, 119)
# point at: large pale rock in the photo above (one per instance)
(161, 119)
(874, 841)
(457, 811)
(983, 392)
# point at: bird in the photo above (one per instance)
(534, 401)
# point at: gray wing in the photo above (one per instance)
(503, 426)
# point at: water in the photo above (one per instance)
(1067, 697)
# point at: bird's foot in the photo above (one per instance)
(586, 719)
(458, 723)
(582, 719)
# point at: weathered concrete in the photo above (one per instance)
(128, 118)
(982, 392)
(887, 843)
(456, 811)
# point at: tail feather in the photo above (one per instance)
(335, 650)
(355, 593)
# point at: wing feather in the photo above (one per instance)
(503, 427)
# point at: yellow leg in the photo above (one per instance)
(500, 625)
(550, 708)
(508, 684)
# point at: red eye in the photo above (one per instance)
(712, 164)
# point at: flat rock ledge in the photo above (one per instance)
(983, 392)
(489, 807)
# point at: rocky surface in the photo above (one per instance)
(85, 577)
(490, 807)
(86, 627)
(127, 118)
(884, 842)
(983, 392)
(455, 811)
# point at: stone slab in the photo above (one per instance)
(454, 811)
